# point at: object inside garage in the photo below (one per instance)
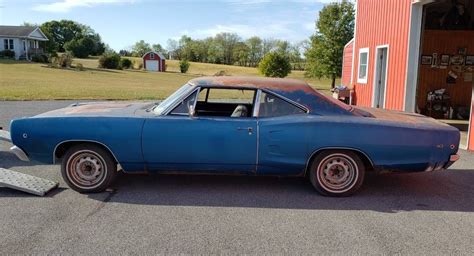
(446, 68)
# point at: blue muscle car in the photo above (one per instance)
(235, 125)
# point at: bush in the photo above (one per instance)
(80, 67)
(7, 54)
(138, 65)
(110, 61)
(184, 66)
(40, 58)
(80, 48)
(63, 61)
(221, 73)
(125, 63)
(275, 65)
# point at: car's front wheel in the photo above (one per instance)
(337, 173)
(88, 168)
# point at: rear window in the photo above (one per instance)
(273, 106)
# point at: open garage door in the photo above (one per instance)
(445, 77)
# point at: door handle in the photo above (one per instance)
(248, 129)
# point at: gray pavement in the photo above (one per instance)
(422, 213)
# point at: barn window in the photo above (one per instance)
(152, 56)
(363, 65)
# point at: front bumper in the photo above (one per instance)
(19, 153)
(5, 136)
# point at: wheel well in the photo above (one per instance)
(365, 159)
(62, 148)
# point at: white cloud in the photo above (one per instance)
(67, 5)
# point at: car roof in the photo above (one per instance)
(280, 84)
(295, 90)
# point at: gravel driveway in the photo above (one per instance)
(422, 213)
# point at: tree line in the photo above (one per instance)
(223, 48)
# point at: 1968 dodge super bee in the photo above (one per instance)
(235, 125)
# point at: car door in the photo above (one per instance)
(283, 136)
(181, 143)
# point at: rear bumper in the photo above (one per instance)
(443, 165)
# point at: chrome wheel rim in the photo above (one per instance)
(337, 173)
(86, 169)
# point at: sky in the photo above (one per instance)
(121, 23)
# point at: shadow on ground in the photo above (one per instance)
(383, 193)
(451, 190)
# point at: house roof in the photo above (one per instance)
(21, 32)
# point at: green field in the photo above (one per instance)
(32, 81)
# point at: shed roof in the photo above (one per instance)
(157, 53)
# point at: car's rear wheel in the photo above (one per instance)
(337, 173)
(88, 168)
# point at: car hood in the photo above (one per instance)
(118, 109)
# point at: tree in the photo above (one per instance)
(59, 33)
(275, 64)
(241, 54)
(335, 27)
(158, 48)
(227, 42)
(125, 52)
(268, 45)
(282, 46)
(185, 50)
(172, 47)
(255, 50)
(80, 48)
(140, 48)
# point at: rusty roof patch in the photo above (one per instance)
(282, 84)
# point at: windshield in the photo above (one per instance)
(172, 98)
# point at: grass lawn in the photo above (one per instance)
(32, 81)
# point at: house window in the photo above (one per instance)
(152, 56)
(363, 65)
(8, 44)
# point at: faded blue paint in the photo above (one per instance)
(181, 143)
(141, 140)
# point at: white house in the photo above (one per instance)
(23, 40)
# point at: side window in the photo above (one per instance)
(272, 106)
(239, 96)
(182, 108)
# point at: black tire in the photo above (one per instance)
(88, 168)
(337, 173)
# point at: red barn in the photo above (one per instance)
(415, 56)
(153, 61)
